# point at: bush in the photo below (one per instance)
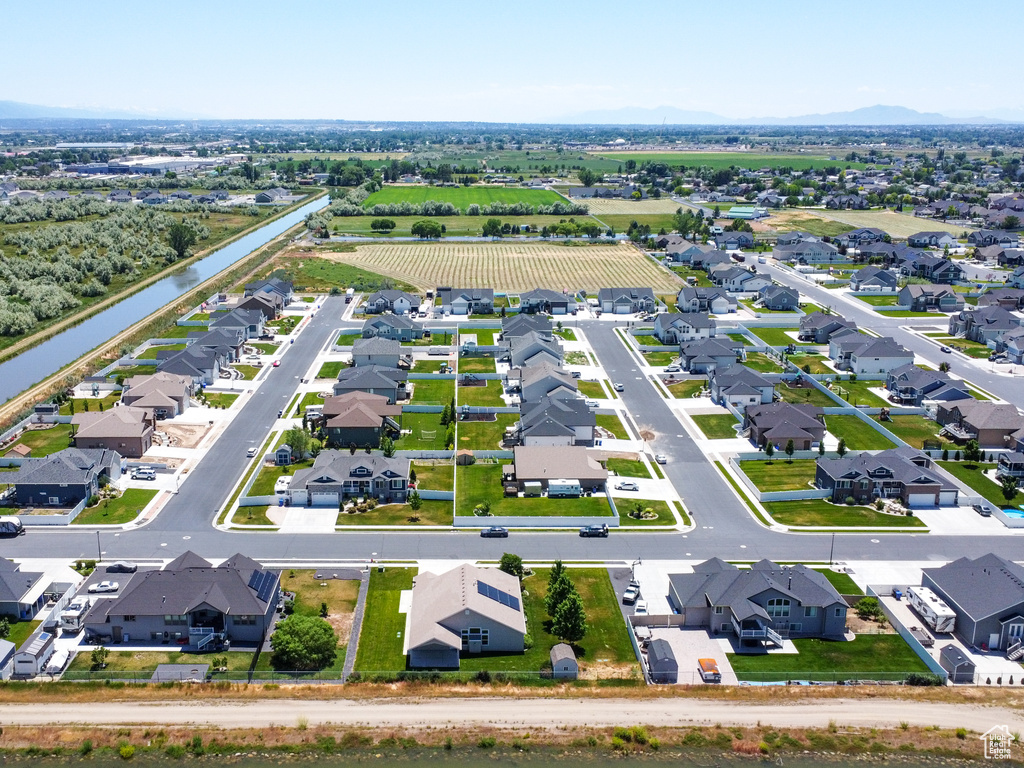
(922, 679)
(175, 751)
(487, 742)
(126, 751)
(849, 501)
(86, 748)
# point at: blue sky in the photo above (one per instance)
(521, 61)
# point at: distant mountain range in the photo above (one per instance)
(877, 115)
(16, 110)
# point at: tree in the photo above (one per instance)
(181, 237)
(790, 450)
(449, 436)
(587, 177)
(1011, 222)
(557, 569)
(5, 628)
(821, 448)
(972, 453)
(303, 643)
(446, 415)
(300, 442)
(99, 658)
(415, 501)
(944, 367)
(512, 565)
(387, 446)
(382, 225)
(492, 228)
(570, 620)
(1009, 486)
(426, 229)
(769, 450)
(841, 448)
(560, 589)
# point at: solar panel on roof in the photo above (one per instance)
(496, 594)
(262, 582)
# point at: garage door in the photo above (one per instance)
(947, 498)
(623, 309)
(323, 499)
(921, 500)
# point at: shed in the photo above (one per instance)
(31, 659)
(283, 455)
(959, 667)
(464, 457)
(7, 649)
(662, 666)
(563, 662)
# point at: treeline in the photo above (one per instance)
(81, 206)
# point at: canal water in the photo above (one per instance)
(35, 364)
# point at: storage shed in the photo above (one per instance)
(959, 667)
(31, 659)
(662, 666)
(563, 662)
(7, 649)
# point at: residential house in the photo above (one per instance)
(626, 301)
(858, 353)
(778, 423)
(199, 363)
(991, 424)
(373, 380)
(360, 419)
(805, 252)
(192, 603)
(685, 252)
(789, 238)
(931, 240)
(127, 430)
(541, 463)
(874, 279)
(545, 300)
(885, 252)
(386, 353)
(673, 328)
(22, 593)
(910, 385)
(739, 280)
(226, 342)
(740, 386)
(765, 603)
(522, 324)
(339, 475)
(165, 394)
(282, 288)
(467, 610)
(699, 299)
(779, 298)
(1013, 345)
(1016, 279)
(531, 349)
(275, 195)
(705, 355)
(987, 595)
(396, 327)
(712, 259)
(860, 237)
(466, 301)
(985, 325)
(667, 241)
(269, 304)
(250, 322)
(1011, 464)
(1007, 298)
(934, 268)
(397, 302)
(927, 297)
(543, 380)
(556, 421)
(64, 478)
(734, 241)
(906, 474)
(846, 202)
(986, 237)
(1010, 257)
(817, 327)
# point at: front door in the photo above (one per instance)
(993, 641)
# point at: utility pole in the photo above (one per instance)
(99, 552)
(832, 550)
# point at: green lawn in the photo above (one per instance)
(431, 512)
(434, 477)
(700, 274)
(878, 301)
(220, 399)
(716, 426)
(647, 340)
(488, 395)
(476, 365)
(724, 160)
(815, 363)
(43, 442)
(484, 435)
(592, 389)
(742, 338)
(264, 346)
(857, 393)
(284, 325)
(658, 506)
(567, 334)
(320, 275)
(970, 348)
(331, 370)
(418, 423)
(808, 395)
(117, 511)
(971, 476)
(85, 404)
(347, 338)
(268, 477)
(914, 430)
(759, 361)
(180, 331)
(818, 512)
(628, 468)
(858, 435)
(867, 657)
(484, 336)
(151, 352)
(125, 373)
(432, 391)
(22, 631)
(380, 641)
(841, 581)
(613, 424)
(908, 313)
(248, 371)
(780, 474)
(463, 197)
(144, 661)
(687, 389)
(339, 594)
(660, 358)
(478, 483)
(308, 399)
(760, 310)
(252, 516)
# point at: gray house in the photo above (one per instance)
(522, 324)
(626, 301)
(64, 478)
(677, 327)
(740, 386)
(921, 298)
(780, 298)
(805, 252)
(374, 380)
(705, 355)
(544, 380)
(778, 423)
(466, 301)
(898, 473)
(22, 593)
(193, 602)
(546, 300)
(376, 351)
(396, 327)
(339, 475)
(818, 327)
(766, 603)
(533, 348)
(467, 610)
(873, 279)
(398, 302)
(910, 385)
(702, 299)
(987, 595)
(556, 421)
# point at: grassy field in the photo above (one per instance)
(867, 657)
(818, 512)
(775, 337)
(249, 372)
(462, 197)
(761, 362)
(380, 641)
(476, 365)
(716, 426)
(508, 266)
(687, 389)
(858, 393)
(971, 476)
(796, 219)
(85, 404)
(613, 424)
(620, 221)
(151, 352)
(454, 226)
(419, 422)
(899, 225)
(858, 435)
(807, 395)
(780, 474)
(628, 468)
(660, 358)
(431, 512)
(878, 301)
(480, 483)
(331, 370)
(489, 395)
(21, 631)
(434, 477)
(632, 208)
(269, 475)
(117, 511)
(43, 442)
(913, 429)
(720, 160)
(432, 391)
(319, 275)
(484, 435)
(339, 594)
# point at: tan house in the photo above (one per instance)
(991, 424)
(543, 463)
(166, 394)
(127, 430)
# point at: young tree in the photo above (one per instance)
(415, 501)
(557, 569)
(5, 628)
(821, 448)
(512, 565)
(300, 442)
(387, 446)
(561, 588)
(570, 620)
(769, 450)
(841, 448)
(449, 437)
(790, 450)
(492, 228)
(1009, 487)
(972, 453)
(303, 643)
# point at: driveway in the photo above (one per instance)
(688, 645)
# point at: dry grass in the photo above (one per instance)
(896, 224)
(511, 266)
(632, 207)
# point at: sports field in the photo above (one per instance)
(462, 197)
(632, 207)
(510, 266)
(717, 160)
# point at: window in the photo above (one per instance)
(398, 484)
(778, 607)
(244, 620)
(810, 611)
(840, 612)
(171, 620)
(718, 610)
(725, 627)
(473, 634)
(129, 617)
(796, 627)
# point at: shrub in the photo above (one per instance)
(487, 742)
(126, 751)
(85, 748)
(922, 679)
(849, 501)
(175, 751)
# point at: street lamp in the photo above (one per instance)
(99, 552)
(832, 550)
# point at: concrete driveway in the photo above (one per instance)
(688, 645)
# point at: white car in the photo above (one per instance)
(251, 452)
(617, 387)
(641, 608)
(592, 404)
(673, 369)
(627, 485)
(661, 458)
(103, 586)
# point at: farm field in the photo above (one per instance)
(896, 224)
(656, 221)
(508, 266)
(648, 207)
(796, 219)
(455, 226)
(720, 160)
(321, 273)
(462, 197)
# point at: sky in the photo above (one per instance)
(522, 61)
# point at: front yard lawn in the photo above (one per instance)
(841, 581)
(913, 429)
(887, 300)
(117, 511)
(484, 435)
(780, 475)
(818, 512)
(331, 370)
(628, 468)
(481, 483)
(308, 399)
(248, 371)
(220, 399)
(476, 365)
(486, 396)
(686, 389)
(347, 338)
(592, 389)
(658, 506)
(432, 512)
(380, 641)
(716, 426)
(43, 442)
(252, 516)
(761, 362)
(971, 476)
(742, 338)
(858, 435)
(858, 393)
(775, 337)
(660, 358)
(434, 477)
(867, 657)
(806, 395)
(435, 391)
(268, 476)
(613, 424)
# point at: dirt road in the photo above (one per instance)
(506, 713)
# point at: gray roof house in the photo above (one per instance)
(1007, 298)
(692, 298)
(686, 252)
(778, 423)
(248, 321)
(376, 351)
(740, 386)
(1016, 279)
(991, 424)
(903, 473)
(921, 298)
(398, 302)
(339, 475)
(282, 288)
(626, 301)
(533, 348)
(520, 325)
(872, 278)
(864, 354)
(191, 601)
(374, 380)
(932, 267)
(818, 327)
(466, 301)
(987, 595)
(465, 610)
(931, 240)
(396, 327)
(704, 355)
(22, 593)
(806, 252)
(910, 385)
(64, 478)
(986, 325)
(546, 300)
(779, 297)
(676, 327)
(862, 236)
(555, 421)
(734, 241)
(544, 380)
(788, 238)
(739, 279)
(765, 603)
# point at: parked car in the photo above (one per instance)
(673, 369)
(594, 530)
(592, 404)
(627, 485)
(144, 473)
(641, 608)
(494, 532)
(277, 363)
(103, 586)
(617, 387)
(947, 350)
(661, 458)
(631, 595)
(251, 452)
(122, 566)
(983, 509)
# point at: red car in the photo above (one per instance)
(277, 363)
